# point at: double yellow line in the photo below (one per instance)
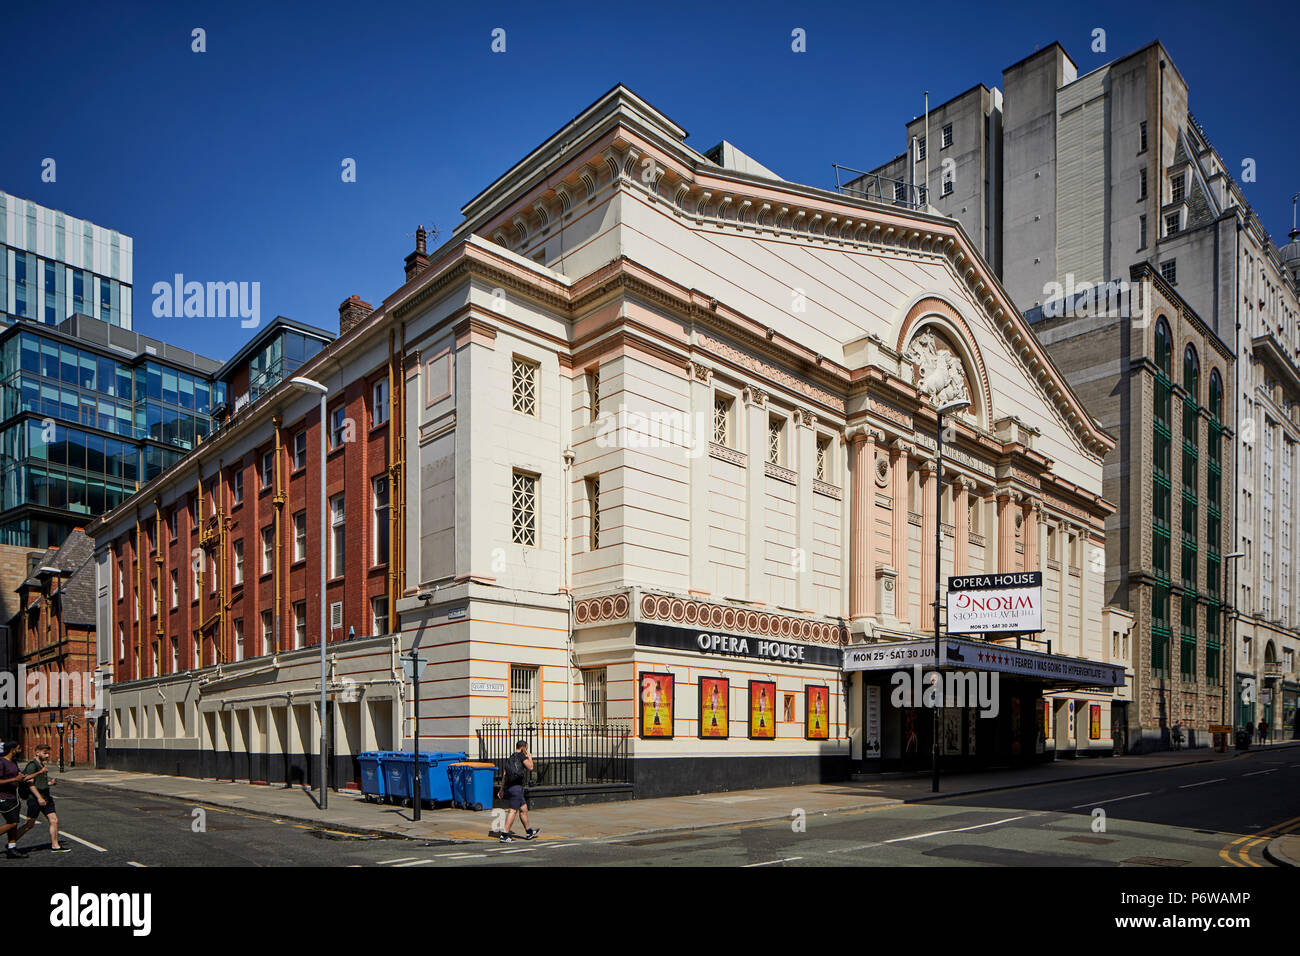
(1243, 845)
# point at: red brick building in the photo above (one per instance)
(54, 633)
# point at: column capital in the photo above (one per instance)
(701, 373)
(754, 396)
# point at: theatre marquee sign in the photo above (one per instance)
(983, 603)
(733, 645)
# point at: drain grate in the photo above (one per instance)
(1153, 861)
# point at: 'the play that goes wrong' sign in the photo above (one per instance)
(979, 603)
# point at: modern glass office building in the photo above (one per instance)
(87, 413)
(53, 266)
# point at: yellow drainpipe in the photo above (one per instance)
(203, 565)
(139, 596)
(276, 533)
(397, 474)
(158, 563)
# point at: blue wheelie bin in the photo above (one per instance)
(372, 778)
(435, 782)
(477, 783)
(456, 780)
(397, 768)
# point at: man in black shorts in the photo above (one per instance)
(39, 798)
(10, 780)
(518, 765)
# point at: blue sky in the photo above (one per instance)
(225, 165)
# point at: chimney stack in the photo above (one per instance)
(351, 311)
(419, 259)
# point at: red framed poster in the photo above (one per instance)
(762, 710)
(715, 708)
(657, 697)
(1094, 722)
(817, 712)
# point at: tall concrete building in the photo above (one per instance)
(1109, 169)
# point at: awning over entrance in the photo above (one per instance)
(958, 654)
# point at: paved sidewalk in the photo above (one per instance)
(1283, 850)
(349, 812)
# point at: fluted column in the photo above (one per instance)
(929, 522)
(862, 566)
(902, 602)
(961, 527)
(1033, 511)
(1006, 532)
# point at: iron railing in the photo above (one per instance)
(876, 188)
(566, 753)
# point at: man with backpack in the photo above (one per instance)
(518, 766)
(40, 799)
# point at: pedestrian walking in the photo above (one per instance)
(1263, 731)
(11, 779)
(518, 765)
(39, 798)
(1178, 735)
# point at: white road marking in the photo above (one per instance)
(65, 833)
(522, 849)
(554, 846)
(400, 859)
(1188, 786)
(1257, 773)
(416, 863)
(130, 862)
(788, 859)
(978, 826)
(461, 856)
(1097, 803)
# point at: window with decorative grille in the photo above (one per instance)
(722, 420)
(593, 386)
(523, 508)
(593, 502)
(593, 685)
(523, 387)
(523, 695)
(823, 458)
(775, 431)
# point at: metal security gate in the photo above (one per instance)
(567, 754)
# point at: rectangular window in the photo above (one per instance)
(239, 639)
(1142, 183)
(379, 403)
(171, 523)
(593, 687)
(194, 512)
(593, 506)
(920, 148)
(338, 427)
(196, 649)
(268, 468)
(379, 532)
(947, 187)
(1142, 137)
(176, 588)
(947, 136)
(593, 389)
(823, 457)
(175, 666)
(1178, 187)
(523, 509)
(1169, 271)
(900, 192)
(300, 536)
(153, 590)
(237, 486)
(337, 537)
(299, 450)
(299, 624)
(524, 707)
(268, 549)
(198, 579)
(1172, 223)
(1142, 232)
(776, 440)
(722, 420)
(268, 632)
(523, 386)
(379, 615)
(239, 562)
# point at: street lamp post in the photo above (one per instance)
(947, 408)
(1230, 619)
(59, 724)
(324, 623)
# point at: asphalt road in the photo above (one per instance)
(1214, 814)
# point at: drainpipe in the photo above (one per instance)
(139, 596)
(158, 567)
(203, 559)
(568, 584)
(277, 532)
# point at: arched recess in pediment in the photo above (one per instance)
(938, 342)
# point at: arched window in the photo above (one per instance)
(1164, 351)
(1191, 373)
(1216, 395)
